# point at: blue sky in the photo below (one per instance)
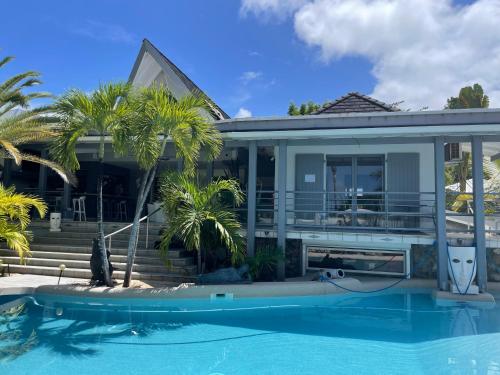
(255, 54)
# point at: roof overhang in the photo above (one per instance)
(456, 123)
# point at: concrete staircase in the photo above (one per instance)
(73, 247)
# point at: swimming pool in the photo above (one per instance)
(397, 333)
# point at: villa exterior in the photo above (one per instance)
(359, 185)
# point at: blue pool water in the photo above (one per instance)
(396, 333)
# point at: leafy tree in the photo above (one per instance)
(306, 108)
(161, 120)
(468, 97)
(20, 125)
(15, 217)
(197, 213)
(98, 113)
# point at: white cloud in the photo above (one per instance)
(242, 113)
(105, 32)
(265, 8)
(422, 51)
(250, 76)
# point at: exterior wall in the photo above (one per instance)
(426, 152)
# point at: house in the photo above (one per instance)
(358, 185)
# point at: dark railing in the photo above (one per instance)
(374, 211)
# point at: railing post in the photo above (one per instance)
(147, 232)
(42, 176)
(281, 235)
(386, 208)
(109, 244)
(479, 225)
(251, 197)
(442, 246)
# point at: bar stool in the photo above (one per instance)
(79, 208)
(122, 210)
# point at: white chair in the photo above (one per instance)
(122, 210)
(79, 208)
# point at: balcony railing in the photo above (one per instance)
(347, 211)
(361, 210)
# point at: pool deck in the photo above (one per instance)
(33, 284)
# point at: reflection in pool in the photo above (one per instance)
(385, 334)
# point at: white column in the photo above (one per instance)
(479, 227)
(440, 197)
(251, 197)
(282, 160)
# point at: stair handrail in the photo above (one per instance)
(110, 235)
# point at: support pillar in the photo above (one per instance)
(7, 172)
(210, 171)
(440, 196)
(66, 202)
(479, 227)
(282, 160)
(251, 197)
(42, 176)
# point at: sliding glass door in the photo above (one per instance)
(355, 189)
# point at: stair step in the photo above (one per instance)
(83, 240)
(152, 238)
(172, 253)
(86, 274)
(142, 260)
(85, 264)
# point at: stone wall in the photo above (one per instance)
(423, 261)
(493, 261)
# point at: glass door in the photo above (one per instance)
(355, 189)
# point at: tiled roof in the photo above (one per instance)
(356, 102)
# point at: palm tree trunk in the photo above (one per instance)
(146, 183)
(100, 228)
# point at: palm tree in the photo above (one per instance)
(160, 120)
(195, 214)
(468, 97)
(15, 217)
(98, 113)
(19, 125)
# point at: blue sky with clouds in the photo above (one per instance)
(255, 56)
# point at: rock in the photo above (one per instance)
(228, 275)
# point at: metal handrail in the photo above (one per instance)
(110, 235)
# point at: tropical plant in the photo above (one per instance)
(263, 266)
(15, 217)
(161, 121)
(99, 113)
(197, 214)
(468, 97)
(20, 125)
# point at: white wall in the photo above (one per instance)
(426, 152)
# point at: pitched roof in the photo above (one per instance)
(215, 111)
(356, 102)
